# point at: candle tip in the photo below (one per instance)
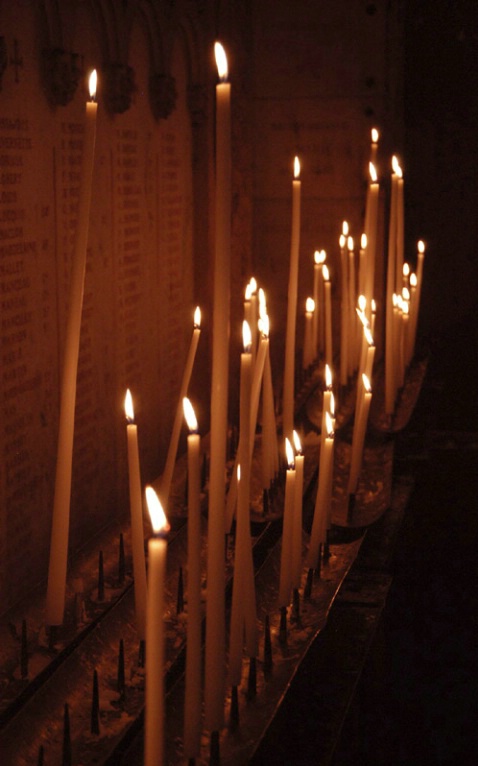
(221, 61)
(93, 81)
(128, 406)
(159, 521)
(190, 415)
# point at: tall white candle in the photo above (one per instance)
(215, 654)
(307, 353)
(400, 227)
(154, 681)
(192, 700)
(285, 579)
(323, 498)
(390, 290)
(173, 444)
(289, 359)
(328, 316)
(344, 301)
(136, 510)
(296, 557)
(56, 588)
(315, 325)
(351, 305)
(360, 427)
(243, 611)
(371, 232)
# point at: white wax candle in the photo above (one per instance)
(371, 232)
(136, 511)
(269, 444)
(315, 325)
(308, 354)
(243, 611)
(352, 318)
(154, 666)
(56, 588)
(285, 581)
(360, 427)
(296, 557)
(192, 700)
(328, 316)
(344, 337)
(400, 230)
(215, 654)
(389, 309)
(289, 358)
(323, 498)
(173, 444)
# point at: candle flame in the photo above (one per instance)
(406, 294)
(396, 167)
(248, 292)
(375, 136)
(373, 305)
(362, 302)
(253, 284)
(329, 426)
(406, 269)
(263, 324)
(197, 317)
(289, 453)
(310, 305)
(373, 172)
(317, 257)
(246, 337)
(362, 317)
(221, 61)
(405, 307)
(395, 300)
(323, 256)
(368, 336)
(413, 279)
(158, 518)
(350, 243)
(421, 246)
(325, 272)
(190, 415)
(296, 167)
(345, 228)
(366, 383)
(328, 376)
(92, 83)
(363, 241)
(128, 406)
(238, 472)
(342, 240)
(297, 444)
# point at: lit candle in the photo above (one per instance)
(400, 225)
(173, 444)
(56, 588)
(154, 681)
(406, 275)
(390, 289)
(254, 317)
(344, 298)
(360, 427)
(296, 558)
(243, 611)
(215, 654)
(351, 303)
(315, 325)
(289, 360)
(285, 580)
(328, 316)
(374, 146)
(136, 510)
(269, 432)
(413, 328)
(308, 353)
(192, 701)
(319, 316)
(419, 280)
(323, 497)
(362, 264)
(371, 232)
